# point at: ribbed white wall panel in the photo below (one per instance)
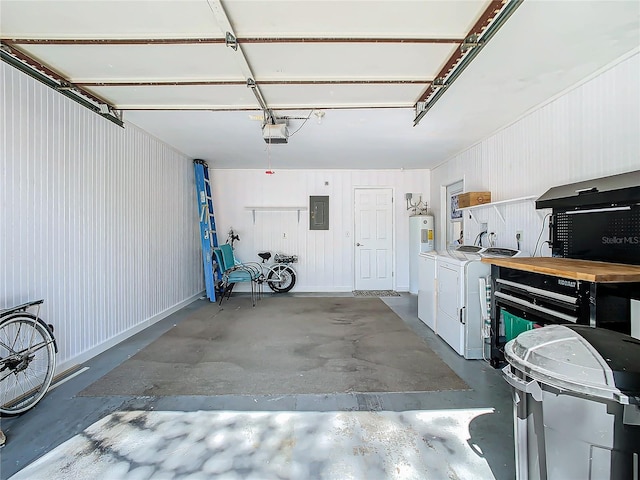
(326, 256)
(99, 221)
(589, 132)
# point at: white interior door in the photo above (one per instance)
(373, 237)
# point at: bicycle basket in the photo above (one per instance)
(282, 258)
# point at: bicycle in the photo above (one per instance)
(280, 276)
(27, 358)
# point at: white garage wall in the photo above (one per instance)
(99, 221)
(589, 132)
(326, 257)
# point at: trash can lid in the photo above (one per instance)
(591, 361)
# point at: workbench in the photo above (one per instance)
(587, 270)
(551, 290)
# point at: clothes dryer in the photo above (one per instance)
(458, 317)
(427, 280)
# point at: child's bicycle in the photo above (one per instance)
(27, 358)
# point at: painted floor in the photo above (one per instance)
(413, 435)
(269, 445)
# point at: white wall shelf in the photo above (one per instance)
(497, 205)
(275, 209)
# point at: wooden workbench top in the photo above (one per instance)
(598, 272)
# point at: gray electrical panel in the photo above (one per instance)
(319, 212)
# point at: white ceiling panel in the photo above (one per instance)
(233, 140)
(345, 96)
(203, 97)
(107, 19)
(366, 63)
(405, 61)
(100, 63)
(360, 18)
(216, 97)
(505, 80)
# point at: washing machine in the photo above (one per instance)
(427, 280)
(458, 315)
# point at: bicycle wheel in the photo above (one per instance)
(281, 278)
(27, 362)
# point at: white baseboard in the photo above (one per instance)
(104, 346)
(315, 289)
(303, 288)
(323, 289)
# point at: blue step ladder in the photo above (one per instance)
(208, 235)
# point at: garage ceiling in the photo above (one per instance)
(351, 78)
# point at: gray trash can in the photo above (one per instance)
(576, 392)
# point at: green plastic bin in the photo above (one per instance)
(514, 325)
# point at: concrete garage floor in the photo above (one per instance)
(483, 415)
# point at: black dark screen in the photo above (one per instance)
(612, 236)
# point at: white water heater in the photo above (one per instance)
(421, 239)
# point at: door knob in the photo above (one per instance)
(359, 244)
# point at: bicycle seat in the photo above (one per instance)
(265, 256)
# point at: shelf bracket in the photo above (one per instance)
(495, 207)
(540, 212)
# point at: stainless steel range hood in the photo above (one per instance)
(613, 191)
